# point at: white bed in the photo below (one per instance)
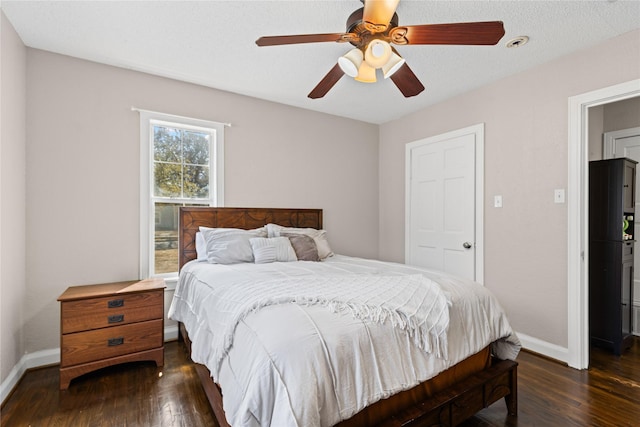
(306, 363)
(307, 358)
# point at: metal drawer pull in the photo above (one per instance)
(116, 341)
(116, 303)
(117, 318)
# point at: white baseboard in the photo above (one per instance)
(50, 357)
(544, 348)
(28, 361)
(171, 333)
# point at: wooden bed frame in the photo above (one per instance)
(448, 403)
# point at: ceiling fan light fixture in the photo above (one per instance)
(366, 73)
(377, 53)
(350, 62)
(393, 64)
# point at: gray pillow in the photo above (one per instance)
(230, 246)
(304, 246)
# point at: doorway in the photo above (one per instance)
(626, 143)
(578, 262)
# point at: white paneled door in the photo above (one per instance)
(441, 203)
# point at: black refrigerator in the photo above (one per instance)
(611, 252)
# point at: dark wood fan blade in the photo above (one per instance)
(379, 12)
(463, 33)
(301, 38)
(407, 82)
(327, 83)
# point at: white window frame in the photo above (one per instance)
(147, 199)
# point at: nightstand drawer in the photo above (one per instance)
(82, 347)
(95, 313)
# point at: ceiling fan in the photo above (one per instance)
(372, 29)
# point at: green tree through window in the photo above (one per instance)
(181, 162)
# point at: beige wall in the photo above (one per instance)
(83, 172)
(622, 114)
(12, 195)
(596, 129)
(526, 148)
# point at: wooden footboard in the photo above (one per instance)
(448, 407)
(452, 406)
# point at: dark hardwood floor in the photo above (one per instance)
(552, 394)
(139, 394)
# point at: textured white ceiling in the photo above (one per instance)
(212, 43)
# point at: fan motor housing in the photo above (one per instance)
(356, 25)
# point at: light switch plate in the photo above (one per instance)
(497, 201)
(558, 195)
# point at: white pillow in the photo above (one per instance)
(261, 229)
(201, 247)
(272, 250)
(319, 236)
(230, 246)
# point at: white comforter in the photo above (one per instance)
(298, 361)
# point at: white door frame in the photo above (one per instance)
(578, 216)
(478, 131)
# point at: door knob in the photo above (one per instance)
(466, 245)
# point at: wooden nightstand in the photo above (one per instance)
(108, 324)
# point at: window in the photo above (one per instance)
(181, 165)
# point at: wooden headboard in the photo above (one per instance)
(191, 218)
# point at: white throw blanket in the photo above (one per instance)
(412, 303)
